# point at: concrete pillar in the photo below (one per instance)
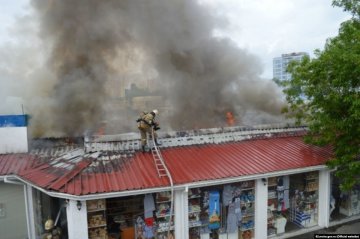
(29, 206)
(261, 198)
(324, 198)
(77, 220)
(181, 211)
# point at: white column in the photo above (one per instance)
(181, 211)
(324, 198)
(261, 198)
(77, 220)
(29, 205)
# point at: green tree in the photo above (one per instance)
(324, 93)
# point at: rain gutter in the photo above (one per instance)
(167, 188)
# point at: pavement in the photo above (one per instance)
(347, 228)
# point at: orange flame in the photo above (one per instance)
(230, 119)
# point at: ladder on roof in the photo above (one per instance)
(163, 172)
(158, 159)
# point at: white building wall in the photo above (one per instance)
(13, 140)
(77, 220)
(13, 224)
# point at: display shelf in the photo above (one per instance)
(195, 224)
(247, 189)
(246, 229)
(103, 225)
(164, 229)
(162, 213)
(350, 205)
(159, 202)
(273, 201)
(194, 208)
(304, 204)
(96, 216)
(96, 210)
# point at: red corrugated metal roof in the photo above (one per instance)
(187, 164)
(208, 162)
(16, 163)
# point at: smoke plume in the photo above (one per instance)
(170, 44)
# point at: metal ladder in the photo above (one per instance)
(163, 172)
(158, 159)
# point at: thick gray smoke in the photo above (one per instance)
(200, 76)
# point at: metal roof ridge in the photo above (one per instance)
(191, 137)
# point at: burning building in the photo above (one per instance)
(92, 187)
(191, 187)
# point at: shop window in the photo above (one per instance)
(292, 202)
(304, 199)
(343, 204)
(164, 217)
(97, 224)
(278, 205)
(144, 216)
(225, 211)
(123, 215)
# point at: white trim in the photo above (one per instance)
(168, 188)
(7, 180)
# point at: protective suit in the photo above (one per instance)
(51, 231)
(146, 123)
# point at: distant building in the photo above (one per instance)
(280, 64)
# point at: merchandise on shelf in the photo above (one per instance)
(97, 219)
(162, 214)
(350, 203)
(304, 203)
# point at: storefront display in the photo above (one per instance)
(343, 204)
(304, 201)
(278, 203)
(350, 203)
(225, 211)
(97, 223)
(162, 214)
(122, 214)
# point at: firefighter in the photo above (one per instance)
(147, 123)
(51, 231)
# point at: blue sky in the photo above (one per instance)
(266, 28)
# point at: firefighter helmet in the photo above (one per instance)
(156, 112)
(49, 224)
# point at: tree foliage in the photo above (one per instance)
(352, 6)
(324, 93)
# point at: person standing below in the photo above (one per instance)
(147, 123)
